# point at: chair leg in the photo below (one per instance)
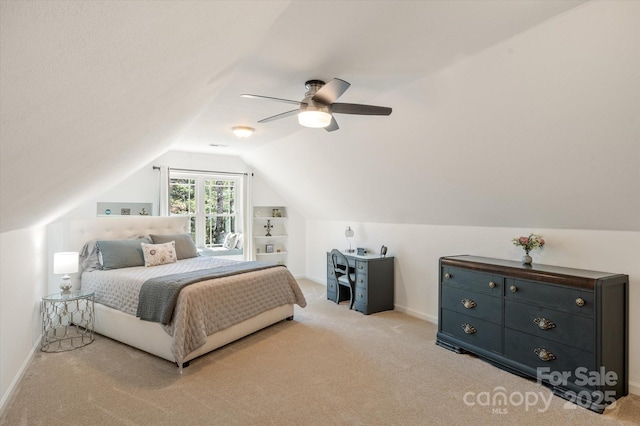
(351, 299)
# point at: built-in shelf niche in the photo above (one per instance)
(124, 209)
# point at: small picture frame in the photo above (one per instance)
(125, 212)
(268, 248)
(276, 213)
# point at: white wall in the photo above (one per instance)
(417, 249)
(23, 281)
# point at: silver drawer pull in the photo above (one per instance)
(447, 276)
(360, 267)
(360, 280)
(544, 323)
(468, 303)
(544, 355)
(513, 289)
(359, 294)
(492, 284)
(580, 301)
(469, 329)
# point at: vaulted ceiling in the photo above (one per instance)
(488, 98)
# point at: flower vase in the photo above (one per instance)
(526, 259)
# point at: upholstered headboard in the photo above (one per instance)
(110, 228)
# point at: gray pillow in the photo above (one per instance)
(115, 254)
(89, 259)
(185, 248)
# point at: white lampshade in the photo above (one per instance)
(65, 262)
(315, 119)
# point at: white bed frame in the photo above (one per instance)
(150, 336)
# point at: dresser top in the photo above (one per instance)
(549, 273)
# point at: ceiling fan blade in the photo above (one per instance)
(333, 125)
(288, 101)
(331, 91)
(360, 109)
(279, 116)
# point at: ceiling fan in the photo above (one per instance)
(317, 107)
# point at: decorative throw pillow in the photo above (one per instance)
(115, 254)
(159, 254)
(185, 248)
(89, 257)
(230, 241)
(240, 242)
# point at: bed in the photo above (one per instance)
(208, 313)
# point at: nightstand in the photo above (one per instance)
(67, 321)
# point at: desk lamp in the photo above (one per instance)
(65, 263)
(349, 234)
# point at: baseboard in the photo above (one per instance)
(416, 314)
(634, 388)
(322, 281)
(18, 377)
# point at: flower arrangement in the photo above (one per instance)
(532, 242)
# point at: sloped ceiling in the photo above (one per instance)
(92, 91)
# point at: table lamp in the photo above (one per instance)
(349, 234)
(65, 263)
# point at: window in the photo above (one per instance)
(211, 203)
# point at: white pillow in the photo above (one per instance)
(159, 254)
(230, 241)
(240, 242)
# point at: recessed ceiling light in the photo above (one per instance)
(217, 145)
(242, 132)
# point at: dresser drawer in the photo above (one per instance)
(522, 347)
(474, 304)
(471, 280)
(361, 267)
(562, 327)
(566, 298)
(477, 332)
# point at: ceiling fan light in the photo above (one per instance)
(242, 132)
(315, 119)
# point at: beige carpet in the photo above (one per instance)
(330, 366)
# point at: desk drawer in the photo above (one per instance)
(477, 305)
(472, 280)
(558, 326)
(477, 332)
(361, 294)
(361, 267)
(361, 280)
(549, 296)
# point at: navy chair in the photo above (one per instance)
(344, 275)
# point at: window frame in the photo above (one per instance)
(198, 219)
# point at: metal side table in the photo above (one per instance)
(67, 321)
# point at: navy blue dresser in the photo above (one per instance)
(567, 328)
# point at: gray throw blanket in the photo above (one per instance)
(158, 296)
